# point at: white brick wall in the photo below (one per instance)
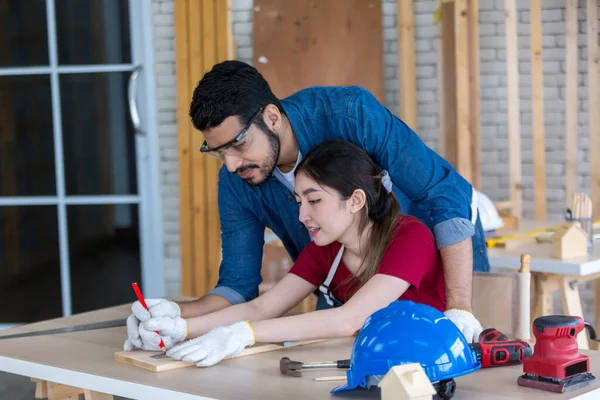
(493, 99)
(164, 45)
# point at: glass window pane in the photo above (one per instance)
(93, 31)
(23, 33)
(98, 137)
(26, 138)
(29, 264)
(104, 250)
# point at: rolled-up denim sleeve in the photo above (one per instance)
(416, 170)
(242, 241)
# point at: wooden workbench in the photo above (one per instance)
(551, 274)
(85, 360)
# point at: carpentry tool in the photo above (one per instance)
(69, 329)
(140, 298)
(556, 364)
(494, 349)
(294, 368)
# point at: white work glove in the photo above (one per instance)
(172, 331)
(157, 308)
(133, 334)
(219, 343)
(466, 323)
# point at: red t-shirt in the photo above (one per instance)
(411, 256)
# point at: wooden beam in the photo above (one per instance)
(198, 159)
(212, 15)
(446, 63)
(572, 101)
(593, 101)
(203, 38)
(407, 66)
(537, 86)
(474, 95)
(184, 129)
(462, 94)
(514, 108)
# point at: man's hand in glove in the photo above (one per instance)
(466, 323)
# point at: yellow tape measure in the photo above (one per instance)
(493, 242)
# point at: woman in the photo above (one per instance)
(363, 256)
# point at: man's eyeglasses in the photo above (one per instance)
(219, 151)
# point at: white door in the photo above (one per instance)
(79, 194)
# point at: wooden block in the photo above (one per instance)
(57, 391)
(518, 242)
(41, 388)
(510, 222)
(91, 395)
(155, 361)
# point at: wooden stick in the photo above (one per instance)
(571, 100)
(514, 107)
(474, 95)
(593, 99)
(537, 86)
(407, 66)
(447, 83)
(523, 328)
(331, 378)
(463, 103)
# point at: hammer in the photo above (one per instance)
(293, 368)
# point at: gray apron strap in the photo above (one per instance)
(324, 288)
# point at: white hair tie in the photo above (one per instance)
(386, 181)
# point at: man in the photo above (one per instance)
(261, 139)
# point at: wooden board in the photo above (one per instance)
(301, 43)
(156, 361)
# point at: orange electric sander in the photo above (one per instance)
(556, 364)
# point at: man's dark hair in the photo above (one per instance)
(230, 88)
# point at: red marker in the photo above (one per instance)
(138, 293)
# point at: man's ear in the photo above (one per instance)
(357, 201)
(272, 117)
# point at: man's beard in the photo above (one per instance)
(270, 162)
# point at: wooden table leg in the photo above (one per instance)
(571, 301)
(41, 388)
(542, 287)
(596, 288)
(91, 395)
(57, 391)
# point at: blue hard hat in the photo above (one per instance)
(407, 332)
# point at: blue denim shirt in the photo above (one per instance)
(426, 185)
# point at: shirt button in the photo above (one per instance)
(290, 196)
(301, 226)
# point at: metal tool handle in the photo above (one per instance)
(131, 97)
(320, 364)
(327, 364)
